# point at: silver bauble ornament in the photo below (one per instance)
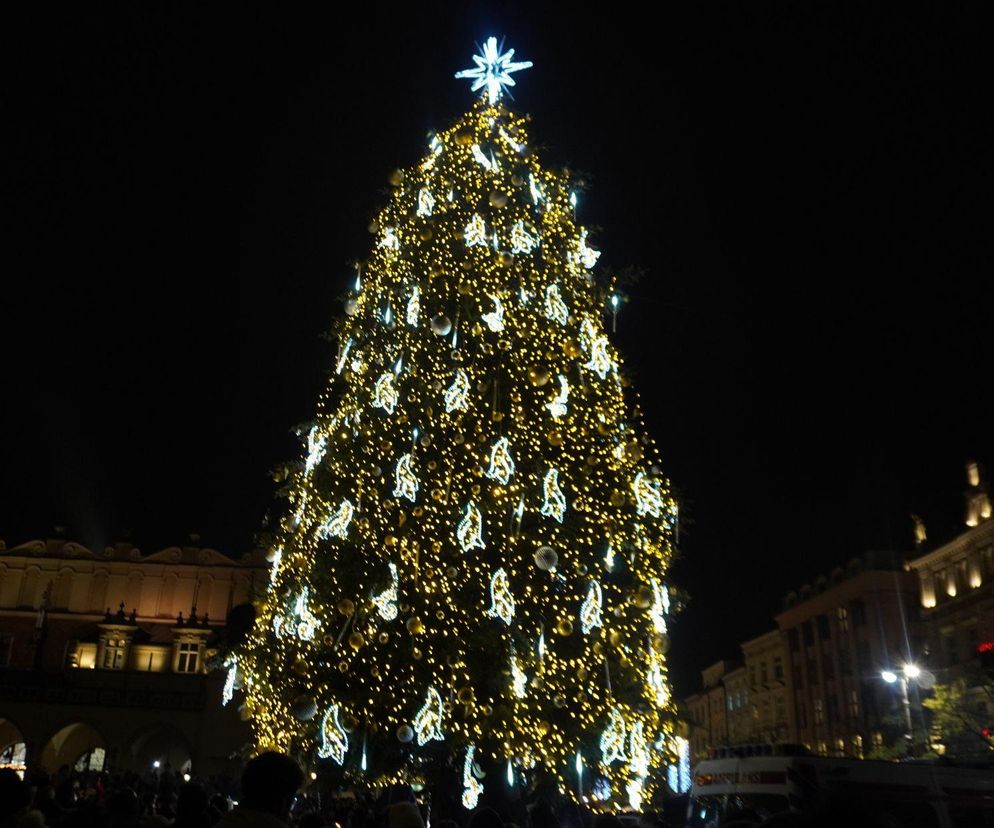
(441, 325)
(304, 708)
(546, 558)
(405, 733)
(351, 307)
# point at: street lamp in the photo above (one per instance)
(909, 672)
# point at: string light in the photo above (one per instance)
(337, 526)
(554, 504)
(476, 232)
(659, 607)
(317, 444)
(501, 599)
(648, 500)
(413, 307)
(386, 601)
(426, 203)
(469, 532)
(501, 462)
(613, 738)
(405, 481)
(555, 307)
(558, 408)
(471, 787)
(307, 623)
(428, 721)
(228, 691)
(334, 739)
(384, 394)
(519, 681)
(495, 319)
(457, 394)
(590, 609)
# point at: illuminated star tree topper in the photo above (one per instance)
(493, 69)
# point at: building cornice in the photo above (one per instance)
(961, 544)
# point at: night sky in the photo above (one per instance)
(807, 193)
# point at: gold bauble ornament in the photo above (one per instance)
(464, 137)
(356, 640)
(564, 627)
(498, 199)
(603, 429)
(244, 713)
(425, 234)
(452, 659)
(416, 654)
(614, 637)
(346, 607)
(542, 728)
(343, 666)
(466, 695)
(598, 648)
(440, 614)
(383, 637)
(415, 626)
(477, 329)
(537, 377)
(571, 348)
(487, 710)
(396, 178)
(404, 607)
(559, 700)
(582, 673)
(644, 597)
(555, 437)
(328, 639)
(374, 672)
(617, 498)
(300, 666)
(661, 643)
(505, 259)
(390, 540)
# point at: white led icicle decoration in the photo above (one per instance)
(307, 622)
(470, 530)
(501, 599)
(501, 462)
(428, 721)
(334, 739)
(337, 525)
(590, 609)
(385, 395)
(457, 394)
(405, 481)
(386, 601)
(228, 691)
(648, 501)
(554, 504)
(519, 681)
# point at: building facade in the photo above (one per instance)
(105, 656)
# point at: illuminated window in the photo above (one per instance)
(840, 747)
(114, 654)
(878, 739)
(843, 616)
(189, 658)
(854, 704)
(819, 712)
(857, 744)
(92, 761)
(778, 668)
(822, 749)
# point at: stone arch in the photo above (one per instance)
(62, 590)
(30, 588)
(69, 744)
(96, 601)
(161, 742)
(13, 748)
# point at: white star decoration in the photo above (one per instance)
(493, 69)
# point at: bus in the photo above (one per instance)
(747, 787)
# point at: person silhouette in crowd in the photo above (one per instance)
(270, 783)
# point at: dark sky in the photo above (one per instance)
(808, 193)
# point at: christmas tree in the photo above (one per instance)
(472, 565)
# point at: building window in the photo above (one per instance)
(764, 678)
(845, 666)
(833, 709)
(802, 715)
(752, 677)
(778, 668)
(819, 712)
(114, 654)
(823, 630)
(808, 634)
(843, 615)
(840, 747)
(853, 704)
(793, 640)
(857, 744)
(878, 739)
(823, 749)
(828, 667)
(6, 649)
(858, 609)
(812, 672)
(779, 708)
(189, 658)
